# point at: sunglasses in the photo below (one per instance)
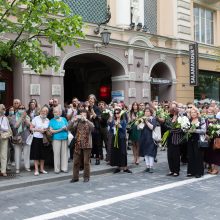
(22, 108)
(116, 113)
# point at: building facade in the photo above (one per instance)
(147, 57)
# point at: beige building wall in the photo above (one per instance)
(166, 18)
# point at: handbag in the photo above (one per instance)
(17, 139)
(216, 144)
(6, 134)
(156, 134)
(46, 141)
(29, 139)
(203, 142)
(70, 137)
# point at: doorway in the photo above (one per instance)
(161, 83)
(89, 74)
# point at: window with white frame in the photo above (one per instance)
(203, 25)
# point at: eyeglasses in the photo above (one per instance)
(116, 113)
(22, 108)
(189, 107)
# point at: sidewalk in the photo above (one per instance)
(24, 179)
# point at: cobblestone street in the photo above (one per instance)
(118, 196)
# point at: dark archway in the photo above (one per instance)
(87, 73)
(161, 83)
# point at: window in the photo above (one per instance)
(209, 85)
(203, 25)
(92, 11)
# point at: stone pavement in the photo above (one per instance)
(14, 181)
(198, 199)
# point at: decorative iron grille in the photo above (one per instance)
(150, 15)
(92, 11)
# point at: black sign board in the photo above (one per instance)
(193, 64)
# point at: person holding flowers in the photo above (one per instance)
(175, 137)
(134, 135)
(195, 153)
(212, 156)
(148, 148)
(119, 148)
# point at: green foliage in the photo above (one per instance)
(33, 23)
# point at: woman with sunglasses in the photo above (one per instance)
(119, 148)
(20, 124)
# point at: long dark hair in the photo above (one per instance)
(132, 108)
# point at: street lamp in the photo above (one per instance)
(105, 34)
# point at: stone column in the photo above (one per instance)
(123, 13)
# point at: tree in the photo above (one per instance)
(27, 24)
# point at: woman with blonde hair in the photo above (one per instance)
(5, 133)
(195, 153)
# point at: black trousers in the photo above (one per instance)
(173, 156)
(183, 152)
(195, 158)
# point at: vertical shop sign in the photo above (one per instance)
(193, 64)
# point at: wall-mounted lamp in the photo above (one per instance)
(138, 64)
(105, 34)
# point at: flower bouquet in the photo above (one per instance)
(182, 123)
(161, 113)
(213, 130)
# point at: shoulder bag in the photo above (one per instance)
(6, 134)
(156, 134)
(203, 142)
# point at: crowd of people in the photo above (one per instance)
(81, 130)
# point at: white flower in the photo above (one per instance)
(184, 122)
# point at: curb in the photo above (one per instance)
(53, 179)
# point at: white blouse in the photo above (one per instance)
(38, 123)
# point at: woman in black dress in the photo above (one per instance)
(195, 154)
(119, 148)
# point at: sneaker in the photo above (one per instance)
(74, 180)
(36, 173)
(28, 169)
(17, 171)
(86, 180)
(151, 170)
(147, 169)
